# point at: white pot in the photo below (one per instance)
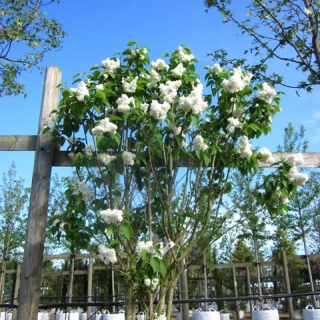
(241, 314)
(5, 315)
(309, 313)
(265, 314)
(224, 316)
(211, 314)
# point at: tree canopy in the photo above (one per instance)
(283, 29)
(26, 35)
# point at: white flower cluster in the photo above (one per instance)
(267, 155)
(89, 151)
(107, 255)
(184, 57)
(295, 160)
(237, 81)
(267, 93)
(145, 245)
(159, 63)
(297, 178)
(111, 64)
(194, 102)
(81, 91)
(245, 148)
(179, 70)
(105, 158)
(99, 86)
(216, 69)
(199, 143)
(104, 126)
(112, 216)
(129, 86)
(124, 103)
(233, 123)
(85, 191)
(151, 283)
(159, 110)
(128, 158)
(169, 90)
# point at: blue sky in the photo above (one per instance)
(100, 28)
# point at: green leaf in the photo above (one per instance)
(155, 264)
(163, 268)
(110, 230)
(127, 231)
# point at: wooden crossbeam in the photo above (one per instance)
(61, 159)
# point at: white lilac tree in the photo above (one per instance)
(162, 152)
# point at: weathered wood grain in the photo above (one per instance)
(34, 244)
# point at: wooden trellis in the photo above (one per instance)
(46, 157)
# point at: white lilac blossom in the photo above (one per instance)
(85, 191)
(128, 158)
(112, 216)
(145, 245)
(184, 57)
(147, 282)
(297, 178)
(237, 81)
(144, 107)
(81, 91)
(295, 160)
(99, 86)
(159, 63)
(179, 70)
(176, 130)
(111, 64)
(105, 158)
(283, 199)
(194, 102)
(159, 110)
(244, 148)
(154, 283)
(233, 123)
(129, 86)
(124, 103)
(216, 69)
(104, 126)
(107, 255)
(267, 155)
(89, 150)
(169, 90)
(267, 93)
(199, 143)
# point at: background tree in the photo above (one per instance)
(13, 200)
(26, 35)
(283, 29)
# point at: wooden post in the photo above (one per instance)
(184, 291)
(235, 288)
(37, 217)
(249, 292)
(89, 290)
(16, 290)
(287, 282)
